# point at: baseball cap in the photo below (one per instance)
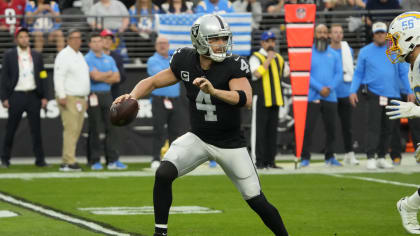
(379, 27)
(268, 35)
(20, 29)
(106, 32)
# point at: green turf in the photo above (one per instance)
(31, 223)
(311, 205)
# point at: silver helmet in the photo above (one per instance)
(207, 27)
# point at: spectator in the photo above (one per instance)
(326, 74)
(276, 6)
(72, 85)
(108, 40)
(345, 110)
(166, 103)
(103, 73)
(214, 6)
(23, 89)
(142, 18)
(106, 12)
(177, 7)
(380, 5)
(252, 6)
(42, 17)
(380, 81)
(12, 10)
(410, 4)
(262, 64)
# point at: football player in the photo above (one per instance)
(404, 46)
(217, 87)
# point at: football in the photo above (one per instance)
(124, 113)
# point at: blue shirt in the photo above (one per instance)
(381, 76)
(104, 63)
(206, 6)
(343, 88)
(155, 64)
(326, 71)
(40, 24)
(145, 21)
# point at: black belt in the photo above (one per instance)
(25, 92)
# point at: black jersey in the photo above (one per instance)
(212, 120)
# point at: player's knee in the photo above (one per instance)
(166, 173)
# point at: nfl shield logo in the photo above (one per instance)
(301, 13)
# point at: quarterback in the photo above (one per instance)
(404, 46)
(217, 86)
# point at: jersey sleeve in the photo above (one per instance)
(178, 58)
(240, 67)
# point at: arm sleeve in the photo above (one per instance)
(240, 68)
(338, 72)
(403, 74)
(358, 73)
(60, 69)
(313, 83)
(254, 63)
(176, 60)
(114, 67)
(4, 78)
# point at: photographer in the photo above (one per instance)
(268, 69)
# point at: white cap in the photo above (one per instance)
(379, 27)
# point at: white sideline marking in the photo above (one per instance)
(376, 180)
(148, 210)
(57, 215)
(5, 213)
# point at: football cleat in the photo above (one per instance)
(371, 164)
(383, 164)
(408, 216)
(350, 159)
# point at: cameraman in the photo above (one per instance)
(268, 69)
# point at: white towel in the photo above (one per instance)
(348, 66)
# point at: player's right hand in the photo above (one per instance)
(122, 98)
(401, 109)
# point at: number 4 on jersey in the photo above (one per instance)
(203, 103)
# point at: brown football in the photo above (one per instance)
(124, 112)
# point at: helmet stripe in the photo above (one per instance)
(410, 15)
(220, 21)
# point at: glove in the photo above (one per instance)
(417, 153)
(402, 110)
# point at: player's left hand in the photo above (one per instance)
(401, 110)
(204, 84)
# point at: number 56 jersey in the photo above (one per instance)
(212, 120)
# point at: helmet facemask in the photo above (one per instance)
(394, 51)
(222, 50)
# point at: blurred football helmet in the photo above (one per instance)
(403, 36)
(207, 27)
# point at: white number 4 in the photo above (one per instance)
(244, 66)
(203, 103)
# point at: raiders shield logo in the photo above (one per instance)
(194, 30)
